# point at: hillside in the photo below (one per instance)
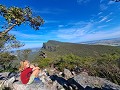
(56, 48)
(98, 60)
(110, 42)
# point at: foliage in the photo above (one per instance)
(6, 62)
(97, 60)
(23, 54)
(6, 57)
(15, 16)
(43, 62)
(105, 66)
(9, 41)
(54, 49)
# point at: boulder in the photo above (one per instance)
(67, 73)
(33, 86)
(89, 81)
(4, 74)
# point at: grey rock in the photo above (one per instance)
(84, 80)
(67, 73)
(4, 74)
(33, 86)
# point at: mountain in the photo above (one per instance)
(56, 48)
(110, 42)
(98, 60)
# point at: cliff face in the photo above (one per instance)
(51, 45)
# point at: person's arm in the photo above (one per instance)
(37, 68)
(34, 67)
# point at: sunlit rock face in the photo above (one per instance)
(95, 82)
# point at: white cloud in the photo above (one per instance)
(60, 26)
(33, 41)
(87, 31)
(32, 45)
(102, 26)
(43, 11)
(52, 21)
(48, 11)
(80, 23)
(103, 19)
(103, 7)
(83, 1)
(26, 36)
(77, 35)
(100, 13)
(111, 2)
(113, 33)
(101, 1)
(30, 40)
(109, 20)
(73, 32)
(101, 35)
(100, 16)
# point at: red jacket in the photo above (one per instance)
(25, 75)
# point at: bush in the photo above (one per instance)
(43, 62)
(6, 62)
(106, 66)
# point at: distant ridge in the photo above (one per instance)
(110, 42)
(56, 48)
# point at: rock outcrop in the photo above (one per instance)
(95, 82)
(54, 82)
(34, 86)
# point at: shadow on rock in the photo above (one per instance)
(71, 84)
(67, 84)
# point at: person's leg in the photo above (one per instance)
(31, 79)
(33, 75)
(36, 72)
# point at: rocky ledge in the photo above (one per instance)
(81, 81)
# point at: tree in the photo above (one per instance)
(6, 61)
(9, 41)
(15, 16)
(26, 53)
(6, 57)
(23, 54)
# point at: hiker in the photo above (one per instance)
(29, 73)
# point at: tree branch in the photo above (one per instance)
(7, 30)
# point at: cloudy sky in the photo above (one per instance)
(69, 20)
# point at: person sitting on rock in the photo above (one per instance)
(28, 72)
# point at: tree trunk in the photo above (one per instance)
(7, 30)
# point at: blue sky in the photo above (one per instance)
(68, 21)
